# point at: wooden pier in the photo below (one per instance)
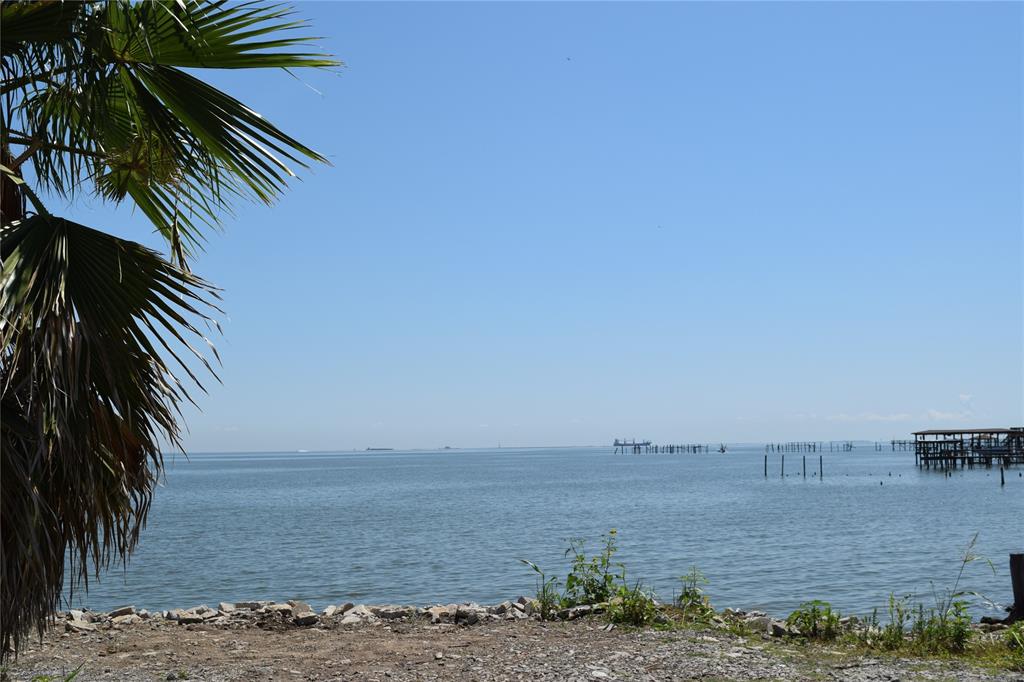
(810, 446)
(647, 447)
(968, 448)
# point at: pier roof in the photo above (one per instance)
(956, 432)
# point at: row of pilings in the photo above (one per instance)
(810, 446)
(650, 448)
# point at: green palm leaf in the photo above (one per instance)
(104, 100)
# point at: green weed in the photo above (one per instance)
(547, 597)
(942, 631)
(55, 678)
(592, 580)
(692, 601)
(633, 606)
(1014, 636)
(815, 620)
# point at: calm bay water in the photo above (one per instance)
(424, 527)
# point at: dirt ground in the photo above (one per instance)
(524, 650)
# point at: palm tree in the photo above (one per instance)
(101, 336)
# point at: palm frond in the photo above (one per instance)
(102, 101)
(100, 336)
(210, 35)
(86, 321)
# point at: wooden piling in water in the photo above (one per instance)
(805, 467)
(1017, 581)
(766, 466)
(821, 468)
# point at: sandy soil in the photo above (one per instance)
(416, 650)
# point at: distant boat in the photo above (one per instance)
(378, 449)
(722, 448)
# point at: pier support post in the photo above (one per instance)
(783, 473)
(1017, 580)
(805, 467)
(821, 468)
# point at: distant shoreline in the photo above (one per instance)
(461, 448)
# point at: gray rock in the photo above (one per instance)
(330, 611)
(189, 618)
(390, 612)
(283, 609)
(467, 615)
(302, 613)
(143, 614)
(305, 618)
(78, 626)
(437, 614)
(779, 629)
(758, 623)
(225, 607)
(122, 611)
(126, 619)
(346, 607)
(579, 611)
(360, 611)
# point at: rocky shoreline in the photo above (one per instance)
(264, 614)
(265, 640)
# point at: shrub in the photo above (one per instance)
(815, 620)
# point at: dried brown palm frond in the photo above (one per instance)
(87, 401)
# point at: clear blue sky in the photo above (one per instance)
(562, 223)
